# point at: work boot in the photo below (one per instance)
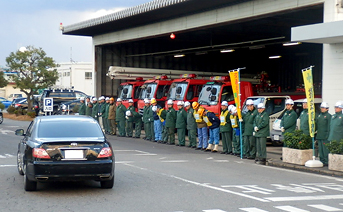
(215, 149)
(262, 161)
(209, 148)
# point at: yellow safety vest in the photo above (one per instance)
(207, 121)
(234, 121)
(198, 114)
(159, 115)
(223, 117)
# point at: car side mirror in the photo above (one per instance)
(20, 132)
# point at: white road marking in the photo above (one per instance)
(163, 158)
(12, 126)
(9, 155)
(1, 156)
(325, 207)
(174, 161)
(7, 165)
(123, 162)
(301, 198)
(252, 210)
(202, 184)
(239, 161)
(140, 152)
(3, 131)
(290, 208)
(214, 210)
(210, 158)
(221, 161)
(250, 188)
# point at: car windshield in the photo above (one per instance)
(148, 90)
(126, 92)
(209, 95)
(177, 90)
(66, 129)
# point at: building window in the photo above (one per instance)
(68, 74)
(64, 74)
(88, 75)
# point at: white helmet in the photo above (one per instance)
(170, 102)
(230, 107)
(180, 103)
(324, 105)
(119, 100)
(128, 113)
(261, 106)
(154, 108)
(146, 101)
(249, 102)
(94, 99)
(130, 101)
(225, 103)
(82, 98)
(234, 110)
(107, 98)
(289, 102)
(187, 104)
(101, 98)
(305, 100)
(339, 104)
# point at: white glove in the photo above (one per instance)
(126, 117)
(253, 133)
(256, 129)
(240, 120)
(282, 129)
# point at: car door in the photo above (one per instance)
(22, 148)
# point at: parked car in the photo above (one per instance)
(13, 96)
(21, 103)
(64, 148)
(69, 108)
(1, 117)
(276, 134)
(6, 102)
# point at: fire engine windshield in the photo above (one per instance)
(177, 91)
(209, 95)
(126, 92)
(148, 91)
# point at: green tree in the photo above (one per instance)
(3, 81)
(35, 70)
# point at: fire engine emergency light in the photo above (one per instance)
(221, 78)
(188, 76)
(139, 79)
(163, 77)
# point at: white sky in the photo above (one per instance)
(36, 23)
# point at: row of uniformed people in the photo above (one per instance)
(327, 127)
(104, 111)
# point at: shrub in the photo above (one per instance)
(16, 112)
(335, 147)
(2, 106)
(298, 140)
(31, 114)
(10, 109)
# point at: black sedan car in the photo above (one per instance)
(1, 117)
(64, 148)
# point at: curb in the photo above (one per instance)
(322, 170)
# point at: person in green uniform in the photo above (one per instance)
(162, 114)
(95, 108)
(304, 126)
(323, 128)
(112, 116)
(289, 118)
(261, 128)
(236, 132)
(105, 116)
(89, 107)
(181, 123)
(191, 126)
(145, 120)
(82, 109)
(249, 144)
(120, 117)
(101, 111)
(130, 119)
(137, 119)
(170, 123)
(336, 124)
(225, 128)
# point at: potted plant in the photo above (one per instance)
(298, 148)
(336, 155)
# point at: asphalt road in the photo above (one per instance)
(157, 177)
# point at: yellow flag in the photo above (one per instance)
(234, 77)
(308, 81)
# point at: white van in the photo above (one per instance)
(275, 106)
(275, 130)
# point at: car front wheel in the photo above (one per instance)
(1, 118)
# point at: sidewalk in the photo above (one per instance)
(274, 154)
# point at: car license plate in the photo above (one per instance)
(73, 154)
(276, 137)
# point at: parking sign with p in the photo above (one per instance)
(48, 105)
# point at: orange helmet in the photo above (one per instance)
(111, 99)
(195, 105)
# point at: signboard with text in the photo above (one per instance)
(48, 105)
